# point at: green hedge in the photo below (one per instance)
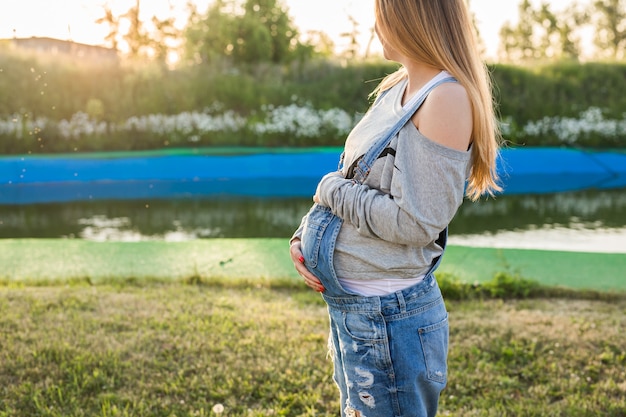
(565, 89)
(56, 90)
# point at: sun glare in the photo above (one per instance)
(75, 19)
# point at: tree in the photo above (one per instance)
(254, 42)
(254, 31)
(274, 17)
(319, 43)
(541, 35)
(136, 37)
(517, 41)
(353, 40)
(140, 40)
(610, 24)
(210, 37)
(571, 21)
(164, 37)
(558, 34)
(548, 24)
(114, 27)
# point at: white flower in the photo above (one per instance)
(79, 125)
(570, 130)
(303, 121)
(19, 126)
(186, 123)
(296, 121)
(218, 409)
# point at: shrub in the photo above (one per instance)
(57, 106)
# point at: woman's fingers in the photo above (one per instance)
(298, 260)
(310, 279)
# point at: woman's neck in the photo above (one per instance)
(418, 75)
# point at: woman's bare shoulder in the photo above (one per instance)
(446, 116)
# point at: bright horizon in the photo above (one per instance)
(75, 20)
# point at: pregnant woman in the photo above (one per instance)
(378, 228)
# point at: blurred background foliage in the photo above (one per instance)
(244, 55)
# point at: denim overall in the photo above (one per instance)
(390, 351)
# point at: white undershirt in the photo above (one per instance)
(377, 287)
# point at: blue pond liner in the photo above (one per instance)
(36, 179)
(550, 170)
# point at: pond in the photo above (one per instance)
(554, 198)
(592, 220)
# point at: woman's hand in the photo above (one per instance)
(298, 262)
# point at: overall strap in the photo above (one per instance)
(365, 163)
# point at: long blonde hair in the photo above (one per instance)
(440, 33)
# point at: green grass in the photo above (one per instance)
(176, 329)
(36, 261)
(580, 270)
(212, 151)
(177, 349)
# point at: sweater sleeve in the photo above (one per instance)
(426, 190)
(297, 235)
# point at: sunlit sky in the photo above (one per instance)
(75, 19)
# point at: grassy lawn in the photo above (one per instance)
(183, 349)
(63, 260)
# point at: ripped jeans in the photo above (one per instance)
(390, 352)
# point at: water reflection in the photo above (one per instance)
(590, 221)
(535, 219)
(587, 209)
(182, 219)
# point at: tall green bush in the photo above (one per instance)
(564, 89)
(57, 90)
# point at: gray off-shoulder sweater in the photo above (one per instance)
(414, 189)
